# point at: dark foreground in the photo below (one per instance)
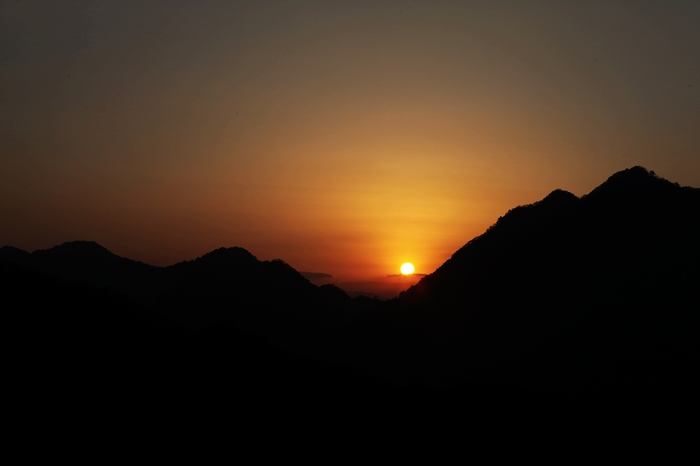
(571, 316)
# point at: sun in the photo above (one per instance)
(407, 268)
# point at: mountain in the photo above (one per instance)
(592, 298)
(14, 255)
(576, 312)
(630, 240)
(224, 284)
(90, 262)
(230, 284)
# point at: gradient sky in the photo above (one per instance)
(343, 137)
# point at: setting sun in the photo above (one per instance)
(407, 268)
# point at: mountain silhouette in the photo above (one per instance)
(596, 296)
(632, 230)
(573, 310)
(92, 263)
(230, 284)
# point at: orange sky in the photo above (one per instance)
(341, 137)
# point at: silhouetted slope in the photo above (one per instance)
(229, 276)
(231, 284)
(592, 298)
(569, 309)
(244, 330)
(633, 219)
(636, 185)
(90, 262)
(14, 255)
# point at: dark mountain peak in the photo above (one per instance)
(13, 254)
(526, 217)
(633, 182)
(90, 262)
(546, 245)
(634, 174)
(76, 249)
(560, 197)
(282, 265)
(221, 260)
(228, 255)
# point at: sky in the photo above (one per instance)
(343, 137)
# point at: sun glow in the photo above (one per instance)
(407, 268)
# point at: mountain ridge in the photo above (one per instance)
(612, 277)
(554, 206)
(570, 302)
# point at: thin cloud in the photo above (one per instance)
(316, 275)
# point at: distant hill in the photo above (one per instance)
(89, 262)
(218, 283)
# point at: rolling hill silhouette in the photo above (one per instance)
(565, 307)
(89, 262)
